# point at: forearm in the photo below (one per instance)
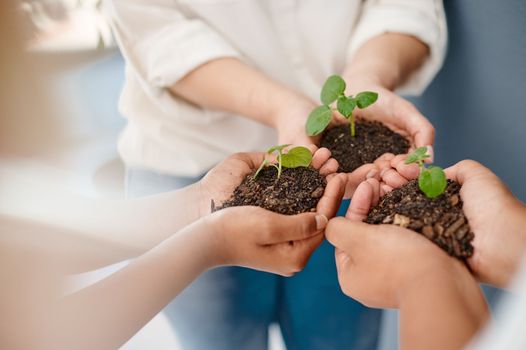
(229, 84)
(441, 311)
(108, 313)
(387, 60)
(122, 228)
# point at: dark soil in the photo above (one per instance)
(297, 191)
(441, 219)
(372, 139)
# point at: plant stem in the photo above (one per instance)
(351, 120)
(421, 166)
(279, 165)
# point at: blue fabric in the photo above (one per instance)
(232, 307)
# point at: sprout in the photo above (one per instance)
(432, 180)
(334, 90)
(294, 158)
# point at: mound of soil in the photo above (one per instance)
(441, 219)
(372, 139)
(297, 191)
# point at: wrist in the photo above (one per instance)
(364, 78)
(440, 271)
(290, 105)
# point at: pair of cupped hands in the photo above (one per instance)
(374, 262)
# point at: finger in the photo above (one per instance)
(386, 157)
(252, 159)
(330, 167)
(343, 260)
(332, 197)
(375, 184)
(385, 189)
(409, 171)
(304, 248)
(320, 157)
(277, 228)
(384, 161)
(421, 130)
(350, 236)
(361, 202)
(467, 169)
(358, 176)
(392, 178)
(312, 148)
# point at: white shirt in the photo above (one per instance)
(298, 43)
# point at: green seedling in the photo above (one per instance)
(294, 158)
(334, 91)
(432, 180)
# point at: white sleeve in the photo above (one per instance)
(423, 19)
(160, 42)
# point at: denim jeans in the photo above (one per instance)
(230, 308)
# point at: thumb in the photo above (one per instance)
(284, 228)
(361, 202)
(351, 236)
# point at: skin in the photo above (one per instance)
(381, 64)
(131, 227)
(489, 207)
(386, 266)
(118, 306)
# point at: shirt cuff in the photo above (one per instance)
(427, 26)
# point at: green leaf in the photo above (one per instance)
(432, 181)
(366, 98)
(346, 105)
(277, 148)
(418, 154)
(318, 120)
(332, 89)
(296, 157)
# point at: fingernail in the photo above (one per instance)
(371, 173)
(386, 188)
(321, 221)
(431, 153)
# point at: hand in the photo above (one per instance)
(290, 123)
(495, 216)
(263, 240)
(378, 263)
(386, 266)
(497, 219)
(220, 182)
(395, 112)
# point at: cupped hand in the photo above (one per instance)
(263, 240)
(379, 264)
(394, 111)
(220, 182)
(496, 218)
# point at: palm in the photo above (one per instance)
(222, 180)
(484, 198)
(399, 115)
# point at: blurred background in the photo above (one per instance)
(476, 102)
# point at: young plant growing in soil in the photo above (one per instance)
(295, 157)
(334, 91)
(430, 205)
(432, 180)
(289, 185)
